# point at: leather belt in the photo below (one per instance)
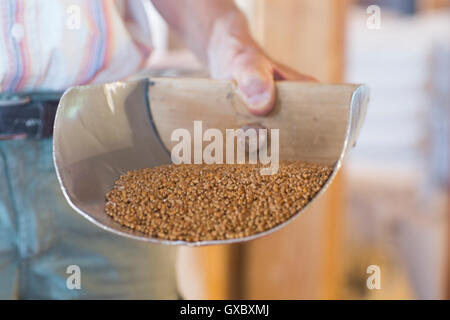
(27, 117)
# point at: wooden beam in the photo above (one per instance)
(430, 5)
(301, 261)
(208, 272)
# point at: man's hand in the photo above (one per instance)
(218, 33)
(233, 54)
(255, 73)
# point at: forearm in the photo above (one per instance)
(200, 22)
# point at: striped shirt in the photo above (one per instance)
(55, 44)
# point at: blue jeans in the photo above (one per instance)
(41, 236)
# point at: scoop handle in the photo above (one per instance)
(313, 119)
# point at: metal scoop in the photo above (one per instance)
(102, 131)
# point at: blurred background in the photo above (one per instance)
(389, 206)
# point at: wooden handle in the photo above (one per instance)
(312, 118)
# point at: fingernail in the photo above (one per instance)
(259, 102)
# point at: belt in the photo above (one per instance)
(27, 116)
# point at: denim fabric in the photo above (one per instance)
(41, 236)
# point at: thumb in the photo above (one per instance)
(256, 84)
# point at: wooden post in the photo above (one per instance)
(429, 5)
(300, 261)
(208, 272)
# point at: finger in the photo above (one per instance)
(258, 91)
(255, 81)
